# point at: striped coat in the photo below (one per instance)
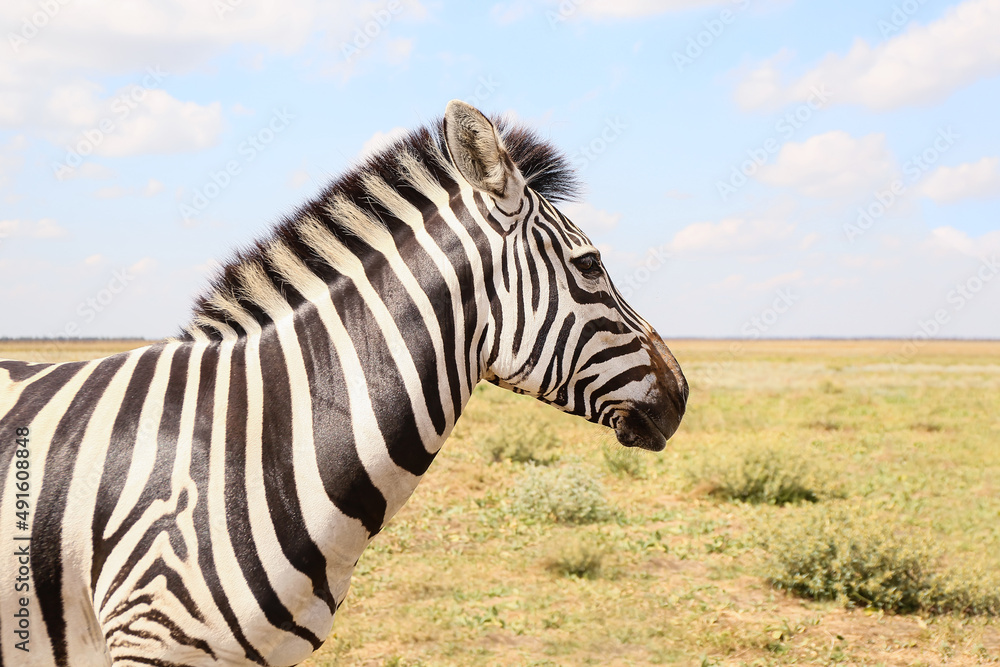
(204, 500)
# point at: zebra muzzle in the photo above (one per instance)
(647, 426)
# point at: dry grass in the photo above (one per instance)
(457, 579)
(66, 350)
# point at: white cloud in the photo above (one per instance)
(950, 239)
(46, 228)
(505, 13)
(11, 159)
(808, 240)
(589, 218)
(298, 178)
(398, 51)
(777, 281)
(729, 234)
(134, 120)
(923, 65)
(163, 124)
(381, 140)
(51, 83)
(626, 9)
(144, 265)
(972, 179)
(556, 11)
(833, 164)
(181, 34)
(152, 188)
(111, 192)
(92, 170)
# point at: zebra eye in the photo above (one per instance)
(589, 265)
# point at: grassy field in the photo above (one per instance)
(658, 567)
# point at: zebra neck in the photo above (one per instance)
(378, 372)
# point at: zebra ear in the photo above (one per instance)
(479, 154)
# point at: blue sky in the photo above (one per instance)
(753, 168)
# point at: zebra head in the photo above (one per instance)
(559, 330)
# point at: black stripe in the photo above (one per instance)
(553, 373)
(578, 294)
(519, 305)
(345, 479)
(482, 245)
(279, 471)
(579, 405)
(200, 473)
(175, 584)
(626, 377)
(487, 213)
(165, 524)
(449, 243)
(467, 279)
(31, 401)
(20, 371)
(119, 457)
(433, 284)
(46, 533)
(609, 353)
(237, 509)
(550, 314)
(158, 486)
(407, 315)
(391, 403)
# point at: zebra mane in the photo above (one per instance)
(347, 219)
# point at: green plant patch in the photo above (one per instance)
(862, 557)
(522, 440)
(576, 557)
(566, 494)
(773, 475)
(625, 462)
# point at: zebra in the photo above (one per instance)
(205, 499)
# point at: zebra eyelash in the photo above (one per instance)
(589, 265)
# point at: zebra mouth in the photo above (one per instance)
(634, 428)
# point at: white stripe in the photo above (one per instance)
(83, 635)
(42, 429)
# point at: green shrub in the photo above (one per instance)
(566, 495)
(522, 440)
(625, 462)
(861, 558)
(972, 591)
(769, 475)
(576, 558)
